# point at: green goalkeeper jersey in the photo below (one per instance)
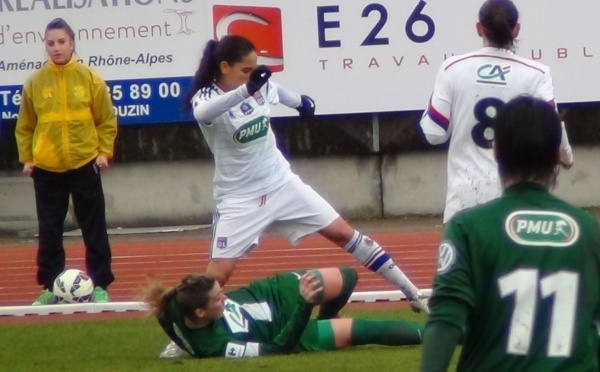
(521, 276)
(267, 317)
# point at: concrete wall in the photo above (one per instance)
(180, 192)
(415, 183)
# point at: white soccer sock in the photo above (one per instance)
(374, 258)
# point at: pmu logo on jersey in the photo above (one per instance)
(492, 74)
(252, 130)
(542, 228)
(261, 25)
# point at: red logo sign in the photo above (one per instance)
(260, 25)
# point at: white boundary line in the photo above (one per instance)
(121, 307)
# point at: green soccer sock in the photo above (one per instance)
(386, 332)
(331, 308)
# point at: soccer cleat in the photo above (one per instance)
(172, 351)
(45, 298)
(420, 304)
(99, 295)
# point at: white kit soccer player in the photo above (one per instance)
(254, 186)
(469, 88)
(254, 167)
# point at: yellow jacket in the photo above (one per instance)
(66, 118)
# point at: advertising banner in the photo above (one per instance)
(351, 56)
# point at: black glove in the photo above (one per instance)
(307, 107)
(258, 78)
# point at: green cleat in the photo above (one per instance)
(100, 295)
(45, 298)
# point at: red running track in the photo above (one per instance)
(169, 260)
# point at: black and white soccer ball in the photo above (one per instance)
(73, 286)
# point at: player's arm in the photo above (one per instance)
(208, 104)
(303, 103)
(566, 152)
(437, 353)
(168, 326)
(283, 343)
(435, 123)
(288, 337)
(286, 97)
(26, 122)
(451, 301)
(435, 126)
(545, 90)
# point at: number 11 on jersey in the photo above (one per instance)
(525, 285)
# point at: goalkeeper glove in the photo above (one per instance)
(258, 78)
(307, 107)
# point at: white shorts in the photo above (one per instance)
(294, 210)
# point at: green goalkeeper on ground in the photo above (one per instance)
(519, 276)
(269, 316)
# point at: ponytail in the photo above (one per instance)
(499, 18)
(205, 74)
(157, 297)
(230, 49)
(192, 293)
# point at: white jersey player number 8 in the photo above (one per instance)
(523, 283)
(485, 110)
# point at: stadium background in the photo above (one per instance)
(162, 173)
(371, 166)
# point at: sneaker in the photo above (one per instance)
(99, 295)
(172, 351)
(420, 304)
(45, 298)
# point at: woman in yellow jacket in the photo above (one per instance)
(65, 135)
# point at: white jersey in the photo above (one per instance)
(469, 88)
(237, 129)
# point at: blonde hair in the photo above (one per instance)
(191, 294)
(157, 297)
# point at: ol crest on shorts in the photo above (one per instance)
(222, 242)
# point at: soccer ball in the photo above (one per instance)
(73, 286)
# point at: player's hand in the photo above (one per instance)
(310, 286)
(258, 78)
(307, 107)
(566, 166)
(101, 162)
(28, 169)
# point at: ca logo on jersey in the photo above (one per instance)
(446, 256)
(252, 130)
(492, 74)
(542, 228)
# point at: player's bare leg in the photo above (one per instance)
(338, 285)
(221, 269)
(370, 254)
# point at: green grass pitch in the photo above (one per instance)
(134, 345)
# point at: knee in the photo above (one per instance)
(339, 232)
(349, 277)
